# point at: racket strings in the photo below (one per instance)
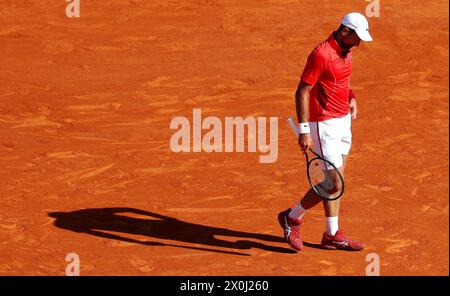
(323, 179)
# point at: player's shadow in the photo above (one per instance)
(312, 245)
(101, 222)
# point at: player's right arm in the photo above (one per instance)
(314, 67)
(302, 106)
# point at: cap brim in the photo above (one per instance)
(364, 35)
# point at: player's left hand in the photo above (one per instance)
(353, 109)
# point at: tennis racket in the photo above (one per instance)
(324, 177)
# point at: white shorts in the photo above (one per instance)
(332, 138)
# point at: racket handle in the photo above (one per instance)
(293, 125)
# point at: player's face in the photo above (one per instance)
(351, 39)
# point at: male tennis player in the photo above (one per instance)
(325, 107)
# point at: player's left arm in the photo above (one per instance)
(352, 104)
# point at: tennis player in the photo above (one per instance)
(325, 107)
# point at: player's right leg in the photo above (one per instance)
(291, 229)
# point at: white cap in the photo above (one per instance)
(359, 23)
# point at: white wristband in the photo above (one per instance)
(303, 127)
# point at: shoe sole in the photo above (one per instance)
(328, 247)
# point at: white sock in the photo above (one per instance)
(332, 225)
(297, 212)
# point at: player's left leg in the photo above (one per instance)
(334, 238)
(336, 149)
(331, 207)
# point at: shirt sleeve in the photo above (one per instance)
(315, 65)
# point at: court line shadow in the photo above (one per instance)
(100, 221)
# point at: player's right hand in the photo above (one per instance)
(305, 141)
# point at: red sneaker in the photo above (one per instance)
(340, 242)
(291, 230)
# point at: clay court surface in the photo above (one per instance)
(86, 166)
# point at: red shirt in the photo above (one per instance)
(328, 69)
